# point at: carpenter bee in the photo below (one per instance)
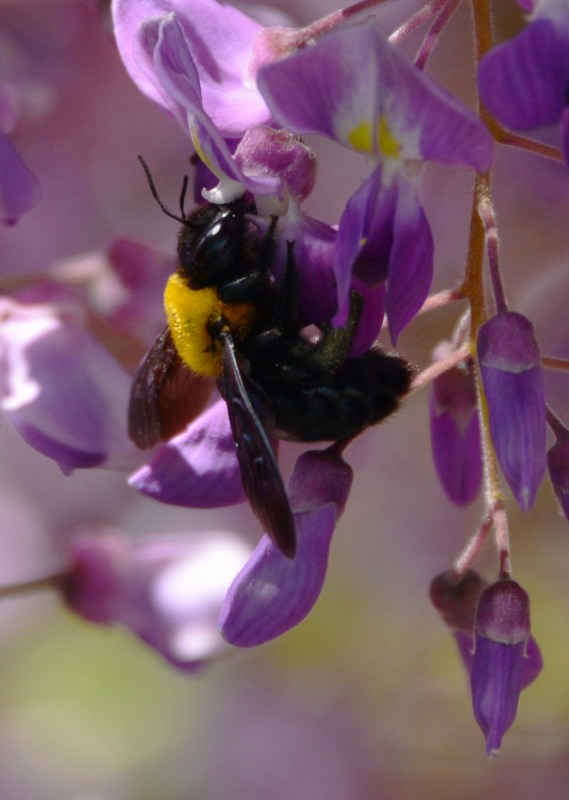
(229, 320)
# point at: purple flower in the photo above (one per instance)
(525, 82)
(167, 590)
(64, 394)
(502, 664)
(491, 627)
(356, 88)
(512, 377)
(121, 287)
(218, 40)
(455, 431)
(19, 188)
(273, 593)
(196, 469)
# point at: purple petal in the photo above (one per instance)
(411, 261)
(455, 434)
(465, 643)
(198, 468)
(320, 477)
(500, 668)
(513, 383)
(168, 591)
(161, 43)
(63, 393)
(312, 254)
(558, 466)
(19, 188)
(533, 662)
(273, 593)
(364, 240)
(220, 39)
(375, 91)
(524, 81)
(456, 599)
(496, 683)
(265, 151)
(384, 233)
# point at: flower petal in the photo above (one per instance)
(63, 393)
(377, 98)
(19, 188)
(455, 434)
(167, 590)
(411, 261)
(196, 469)
(497, 677)
(273, 593)
(220, 39)
(512, 377)
(524, 81)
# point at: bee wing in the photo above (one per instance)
(165, 395)
(260, 472)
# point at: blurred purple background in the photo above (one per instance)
(366, 699)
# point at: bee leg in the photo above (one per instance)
(249, 288)
(333, 348)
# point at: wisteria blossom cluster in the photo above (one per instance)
(251, 99)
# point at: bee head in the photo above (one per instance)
(211, 243)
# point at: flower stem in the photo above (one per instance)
(50, 582)
(486, 211)
(438, 367)
(432, 37)
(425, 13)
(552, 362)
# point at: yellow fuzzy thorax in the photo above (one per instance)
(189, 313)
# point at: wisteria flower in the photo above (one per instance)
(455, 431)
(491, 626)
(510, 365)
(503, 663)
(19, 188)
(381, 106)
(273, 593)
(219, 42)
(62, 392)
(167, 589)
(525, 82)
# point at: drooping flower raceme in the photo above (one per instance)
(355, 87)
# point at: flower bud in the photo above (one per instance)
(455, 431)
(265, 151)
(503, 664)
(510, 366)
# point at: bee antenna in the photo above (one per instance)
(183, 219)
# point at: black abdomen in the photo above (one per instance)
(361, 392)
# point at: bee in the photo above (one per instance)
(228, 319)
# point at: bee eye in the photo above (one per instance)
(220, 244)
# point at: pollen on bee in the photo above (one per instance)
(190, 314)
